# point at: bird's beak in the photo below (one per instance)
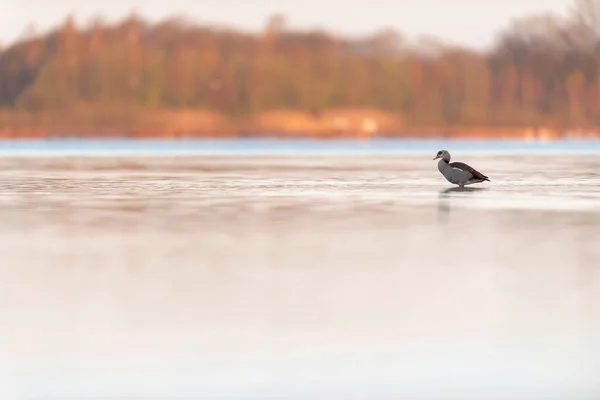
(436, 157)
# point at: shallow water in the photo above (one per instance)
(299, 277)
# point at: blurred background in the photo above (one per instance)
(236, 199)
(523, 70)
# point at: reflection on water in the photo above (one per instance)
(444, 204)
(298, 277)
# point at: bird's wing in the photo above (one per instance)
(468, 168)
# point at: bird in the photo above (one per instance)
(458, 173)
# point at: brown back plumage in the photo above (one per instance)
(473, 171)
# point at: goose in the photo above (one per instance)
(458, 173)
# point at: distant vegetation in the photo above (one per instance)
(544, 71)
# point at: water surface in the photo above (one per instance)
(299, 277)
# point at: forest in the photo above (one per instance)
(542, 71)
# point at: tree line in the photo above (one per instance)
(543, 70)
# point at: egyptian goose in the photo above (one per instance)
(458, 173)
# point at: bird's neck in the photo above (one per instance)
(443, 165)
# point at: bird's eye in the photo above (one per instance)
(439, 153)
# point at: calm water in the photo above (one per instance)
(299, 277)
(374, 146)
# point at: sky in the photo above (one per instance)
(464, 22)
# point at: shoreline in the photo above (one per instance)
(476, 135)
(260, 147)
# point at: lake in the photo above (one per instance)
(298, 270)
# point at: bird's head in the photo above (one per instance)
(443, 154)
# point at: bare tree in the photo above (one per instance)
(587, 12)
